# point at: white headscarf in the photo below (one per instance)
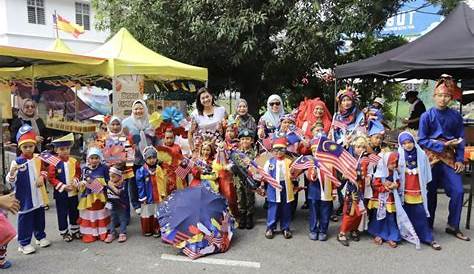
(271, 117)
(139, 126)
(115, 118)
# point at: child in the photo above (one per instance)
(172, 181)
(64, 177)
(7, 231)
(415, 174)
(202, 170)
(28, 178)
(353, 209)
(245, 196)
(151, 191)
(117, 205)
(279, 201)
(93, 217)
(383, 222)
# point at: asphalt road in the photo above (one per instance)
(250, 252)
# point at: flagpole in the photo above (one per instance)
(56, 24)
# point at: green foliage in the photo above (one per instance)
(446, 5)
(256, 47)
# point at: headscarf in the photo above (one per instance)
(95, 151)
(423, 167)
(271, 117)
(139, 126)
(31, 119)
(114, 118)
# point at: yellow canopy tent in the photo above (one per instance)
(59, 46)
(125, 56)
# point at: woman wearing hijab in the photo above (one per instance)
(28, 114)
(311, 112)
(142, 134)
(270, 120)
(242, 118)
(349, 120)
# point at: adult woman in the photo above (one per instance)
(28, 114)
(207, 117)
(242, 118)
(142, 134)
(311, 112)
(349, 119)
(270, 120)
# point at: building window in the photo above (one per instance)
(83, 12)
(36, 12)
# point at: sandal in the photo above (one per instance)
(67, 237)
(77, 235)
(122, 238)
(458, 234)
(435, 245)
(355, 236)
(341, 237)
(392, 244)
(378, 240)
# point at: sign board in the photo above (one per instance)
(127, 89)
(6, 101)
(413, 19)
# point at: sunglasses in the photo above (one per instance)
(279, 149)
(274, 103)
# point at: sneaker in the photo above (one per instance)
(110, 238)
(27, 249)
(287, 234)
(5, 265)
(313, 236)
(157, 234)
(138, 211)
(43, 242)
(269, 234)
(322, 236)
(122, 238)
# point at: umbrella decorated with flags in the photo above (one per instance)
(197, 221)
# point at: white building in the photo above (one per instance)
(30, 24)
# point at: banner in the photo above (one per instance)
(96, 98)
(127, 89)
(6, 101)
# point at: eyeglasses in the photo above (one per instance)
(274, 103)
(279, 149)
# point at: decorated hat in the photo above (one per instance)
(280, 142)
(289, 116)
(447, 85)
(150, 151)
(95, 151)
(64, 141)
(246, 133)
(375, 127)
(25, 135)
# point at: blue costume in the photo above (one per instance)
(437, 126)
(31, 218)
(279, 202)
(319, 203)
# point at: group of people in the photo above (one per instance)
(390, 190)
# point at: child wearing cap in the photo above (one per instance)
(279, 201)
(151, 191)
(415, 176)
(117, 204)
(245, 195)
(28, 177)
(93, 216)
(64, 177)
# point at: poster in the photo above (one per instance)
(5, 101)
(127, 89)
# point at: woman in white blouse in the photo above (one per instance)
(207, 118)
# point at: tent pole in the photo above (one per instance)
(335, 94)
(396, 115)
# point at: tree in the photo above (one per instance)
(252, 46)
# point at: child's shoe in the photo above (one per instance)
(27, 249)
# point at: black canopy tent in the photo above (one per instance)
(448, 48)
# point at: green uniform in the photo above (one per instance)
(245, 196)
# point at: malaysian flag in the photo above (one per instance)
(184, 168)
(374, 158)
(326, 174)
(328, 152)
(339, 124)
(266, 177)
(303, 162)
(49, 158)
(95, 186)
